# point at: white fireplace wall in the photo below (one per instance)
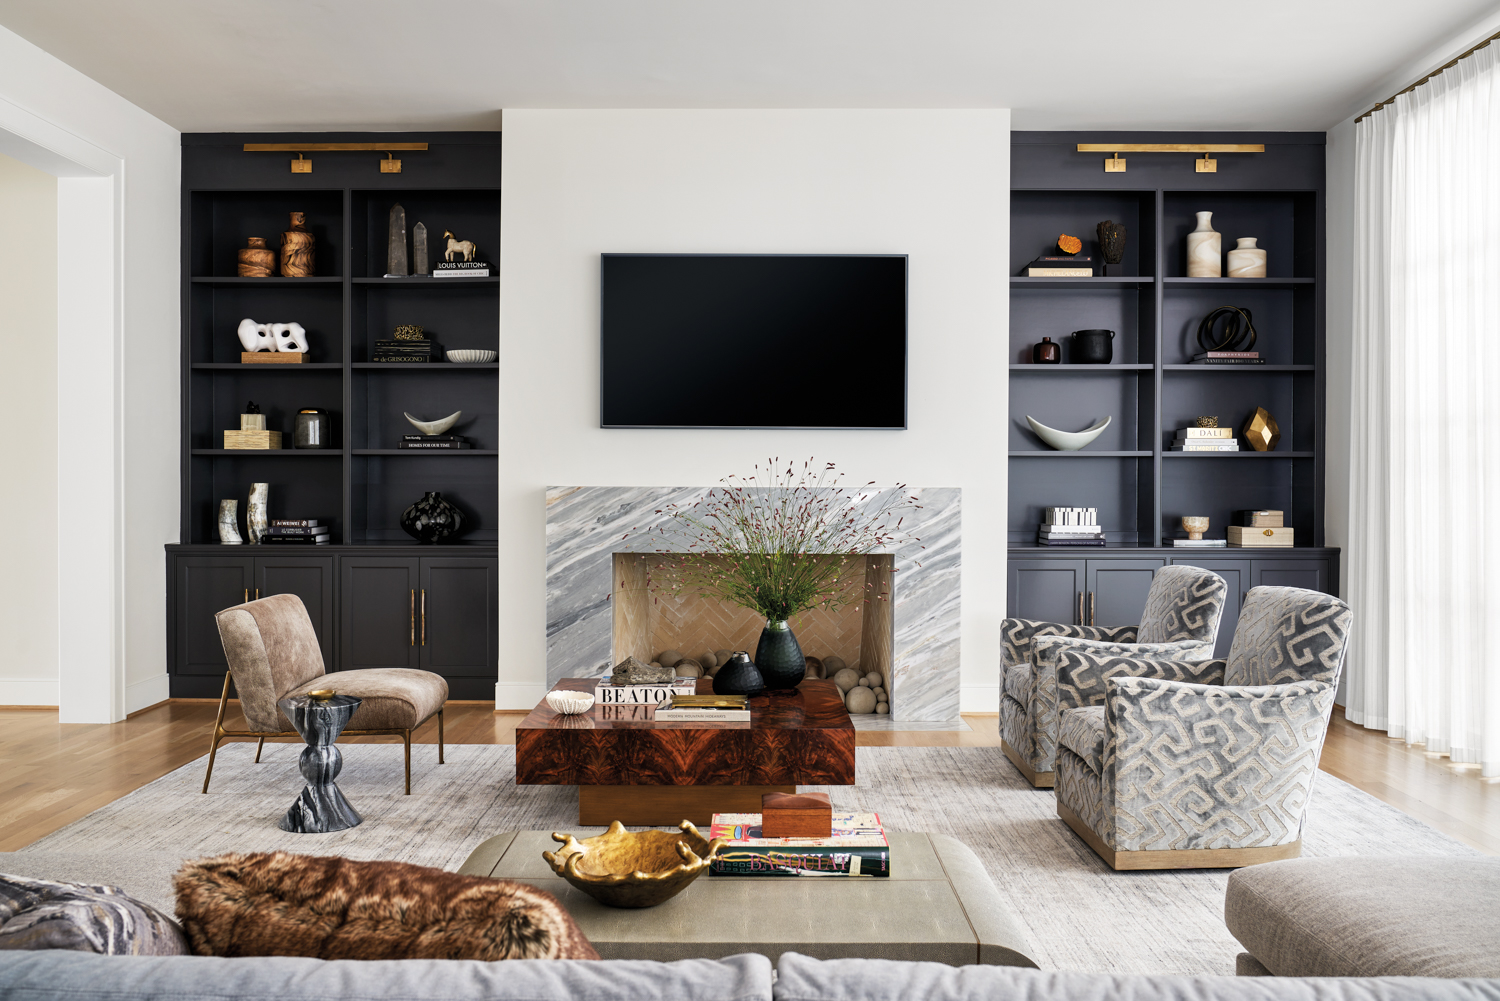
(931, 184)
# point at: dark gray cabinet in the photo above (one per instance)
(202, 586)
(1117, 590)
(1236, 574)
(1311, 574)
(309, 578)
(457, 617)
(1046, 590)
(378, 612)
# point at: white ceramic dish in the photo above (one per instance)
(1067, 441)
(470, 356)
(570, 703)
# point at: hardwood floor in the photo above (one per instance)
(55, 773)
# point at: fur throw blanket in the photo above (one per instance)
(281, 904)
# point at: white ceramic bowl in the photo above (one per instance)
(1067, 441)
(570, 703)
(470, 356)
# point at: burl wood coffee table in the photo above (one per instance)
(644, 773)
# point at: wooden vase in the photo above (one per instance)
(297, 249)
(256, 259)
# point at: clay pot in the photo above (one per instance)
(256, 259)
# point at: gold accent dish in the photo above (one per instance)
(624, 869)
(322, 694)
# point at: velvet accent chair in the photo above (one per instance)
(1204, 765)
(1180, 623)
(273, 653)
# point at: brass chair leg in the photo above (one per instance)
(406, 734)
(440, 736)
(213, 747)
(259, 746)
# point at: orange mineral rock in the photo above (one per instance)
(1069, 244)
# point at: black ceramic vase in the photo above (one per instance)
(1092, 347)
(779, 657)
(738, 677)
(432, 519)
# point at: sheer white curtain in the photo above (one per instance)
(1424, 546)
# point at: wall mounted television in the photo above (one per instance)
(753, 341)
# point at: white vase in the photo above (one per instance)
(229, 523)
(255, 515)
(1247, 260)
(1203, 249)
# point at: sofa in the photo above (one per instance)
(70, 976)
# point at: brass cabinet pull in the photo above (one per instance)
(247, 594)
(424, 616)
(1091, 608)
(1080, 608)
(414, 617)
(257, 594)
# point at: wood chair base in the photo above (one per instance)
(1193, 858)
(1041, 780)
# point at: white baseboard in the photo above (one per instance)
(29, 692)
(518, 694)
(979, 698)
(140, 694)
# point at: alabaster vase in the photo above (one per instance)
(229, 523)
(1247, 260)
(256, 519)
(1203, 247)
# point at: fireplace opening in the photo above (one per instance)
(649, 622)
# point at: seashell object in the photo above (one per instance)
(570, 703)
(434, 427)
(1067, 441)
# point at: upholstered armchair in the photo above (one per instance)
(1171, 765)
(273, 653)
(1180, 623)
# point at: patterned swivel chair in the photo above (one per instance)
(1180, 623)
(1159, 771)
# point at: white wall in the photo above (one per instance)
(118, 389)
(931, 184)
(28, 385)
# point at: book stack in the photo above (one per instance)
(1070, 526)
(1260, 529)
(681, 708)
(1205, 440)
(857, 847)
(1077, 266)
(296, 532)
(461, 269)
(421, 350)
(606, 694)
(1228, 358)
(438, 441)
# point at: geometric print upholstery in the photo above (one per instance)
(1082, 670)
(1082, 732)
(1079, 786)
(1288, 634)
(1184, 603)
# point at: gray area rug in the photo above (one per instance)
(1081, 915)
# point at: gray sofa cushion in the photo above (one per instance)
(802, 979)
(71, 976)
(1369, 917)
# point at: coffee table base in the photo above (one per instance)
(666, 806)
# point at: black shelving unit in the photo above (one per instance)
(360, 486)
(1140, 487)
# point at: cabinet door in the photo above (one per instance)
(458, 618)
(309, 578)
(1117, 590)
(1236, 574)
(1045, 590)
(377, 612)
(205, 585)
(1309, 574)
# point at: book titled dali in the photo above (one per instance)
(858, 847)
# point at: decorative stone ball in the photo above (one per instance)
(722, 656)
(713, 671)
(865, 682)
(877, 680)
(882, 708)
(688, 669)
(656, 663)
(861, 701)
(669, 658)
(879, 693)
(845, 679)
(708, 660)
(833, 665)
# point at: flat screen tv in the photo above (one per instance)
(753, 341)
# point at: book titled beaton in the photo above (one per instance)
(651, 695)
(858, 847)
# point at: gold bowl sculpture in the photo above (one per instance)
(623, 869)
(322, 694)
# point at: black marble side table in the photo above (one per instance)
(322, 808)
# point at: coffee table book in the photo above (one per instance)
(654, 695)
(858, 847)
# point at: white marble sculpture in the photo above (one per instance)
(1203, 246)
(1247, 260)
(229, 523)
(256, 336)
(289, 336)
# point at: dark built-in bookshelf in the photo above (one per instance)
(1150, 389)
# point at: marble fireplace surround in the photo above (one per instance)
(587, 526)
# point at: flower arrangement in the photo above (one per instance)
(779, 541)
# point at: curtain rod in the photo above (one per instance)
(1441, 69)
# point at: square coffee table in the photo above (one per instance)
(644, 773)
(938, 905)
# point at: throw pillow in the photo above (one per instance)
(49, 914)
(281, 904)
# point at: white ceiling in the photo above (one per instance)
(266, 65)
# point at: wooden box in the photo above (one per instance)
(1239, 535)
(1259, 519)
(252, 439)
(796, 815)
(271, 357)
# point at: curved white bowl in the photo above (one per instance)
(470, 356)
(1067, 441)
(570, 703)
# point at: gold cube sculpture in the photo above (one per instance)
(1262, 431)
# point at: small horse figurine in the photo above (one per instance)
(457, 246)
